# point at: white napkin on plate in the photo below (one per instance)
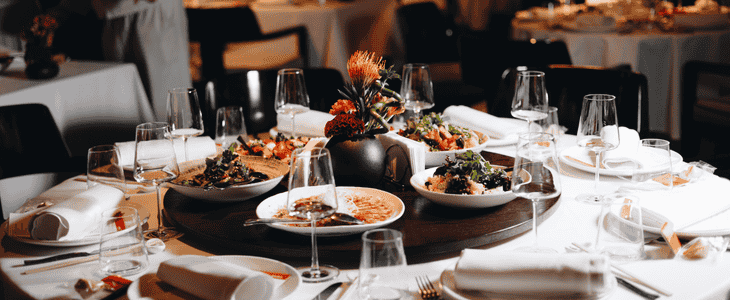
(69, 219)
(310, 123)
(212, 279)
(494, 127)
(198, 147)
(526, 273)
(416, 151)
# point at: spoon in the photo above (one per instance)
(339, 217)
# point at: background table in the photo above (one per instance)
(93, 103)
(658, 55)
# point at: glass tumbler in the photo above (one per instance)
(122, 249)
(382, 254)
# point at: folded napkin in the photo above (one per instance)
(212, 279)
(494, 127)
(526, 273)
(628, 146)
(198, 147)
(69, 219)
(416, 151)
(310, 123)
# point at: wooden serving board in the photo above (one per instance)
(431, 231)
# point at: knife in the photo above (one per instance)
(31, 262)
(328, 291)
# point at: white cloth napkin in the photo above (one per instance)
(198, 147)
(69, 219)
(526, 273)
(628, 144)
(416, 151)
(212, 279)
(310, 123)
(494, 127)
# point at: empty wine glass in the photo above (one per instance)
(155, 163)
(530, 102)
(312, 196)
(598, 132)
(291, 95)
(184, 115)
(417, 88)
(536, 176)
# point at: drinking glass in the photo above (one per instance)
(417, 88)
(312, 196)
(103, 167)
(530, 102)
(122, 249)
(155, 163)
(291, 95)
(382, 254)
(598, 131)
(229, 125)
(652, 166)
(551, 124)
(184, 115)
(620, 230)
(536, 176)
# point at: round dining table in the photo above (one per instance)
(561, 223)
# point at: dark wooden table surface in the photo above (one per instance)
(431, 231)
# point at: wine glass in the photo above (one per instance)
(184, 115)
(597, 132)
(312, 196)
(530, 102)
(417, 88)
(536, 176)
(291, 95)
(155, 163)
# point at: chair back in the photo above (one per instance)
(567, 85)
(429, 35)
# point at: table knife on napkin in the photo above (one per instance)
(30, 262)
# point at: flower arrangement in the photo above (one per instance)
(368, 103)
(39, 38)
(41, 31)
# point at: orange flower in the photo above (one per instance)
(344, 124)
(364, 69)
(343, 106)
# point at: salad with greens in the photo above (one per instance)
(468, 174)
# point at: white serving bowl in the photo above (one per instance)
(276, 170)
(496, 198)
(437, 158)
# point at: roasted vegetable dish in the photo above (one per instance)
(225, 170)
(439, 135)
(469, 174)
(279, 147)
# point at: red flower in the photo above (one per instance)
(343, 106)
(344, 124)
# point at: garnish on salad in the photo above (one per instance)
(279, 147)
(439, 135)
(469, 174)
(225, 170)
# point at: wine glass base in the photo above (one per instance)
(325, 273)
(535, 249)
(164, 234)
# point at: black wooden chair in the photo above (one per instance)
(568, 84)
(705, 119)
(215, 28)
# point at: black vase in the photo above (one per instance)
(357, 161)
(39, 64)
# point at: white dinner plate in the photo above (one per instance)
(449, 287)
(569, 156)
(269, 207)
(90, 239)
(497, 197)
(147, 287)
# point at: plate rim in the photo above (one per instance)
(333, 230)
(294, 278)
(509, 196)
(608, 172)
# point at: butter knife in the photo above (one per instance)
(328, 291)
(31, 262)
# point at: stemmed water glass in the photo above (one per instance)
(536, 176)
(291, 95)
(312, 196)
(184, 115)
(155, 163)
(530, 101)
(598, 132)
(417, 88)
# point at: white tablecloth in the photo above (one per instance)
(92, 102)
(660, 56)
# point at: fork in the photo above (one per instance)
(426, 289)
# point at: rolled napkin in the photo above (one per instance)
(212, 279)
(416, 151)
(310, 123)
(198, 147)
(494, 127)
(529, 273)
(69, 219)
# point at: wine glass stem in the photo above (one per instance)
(160, 227)
(534, 222)
(185, 147)
(315, 256)
(417, 112)
(293, 128)
(598, 168)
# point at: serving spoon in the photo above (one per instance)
(339, 217)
